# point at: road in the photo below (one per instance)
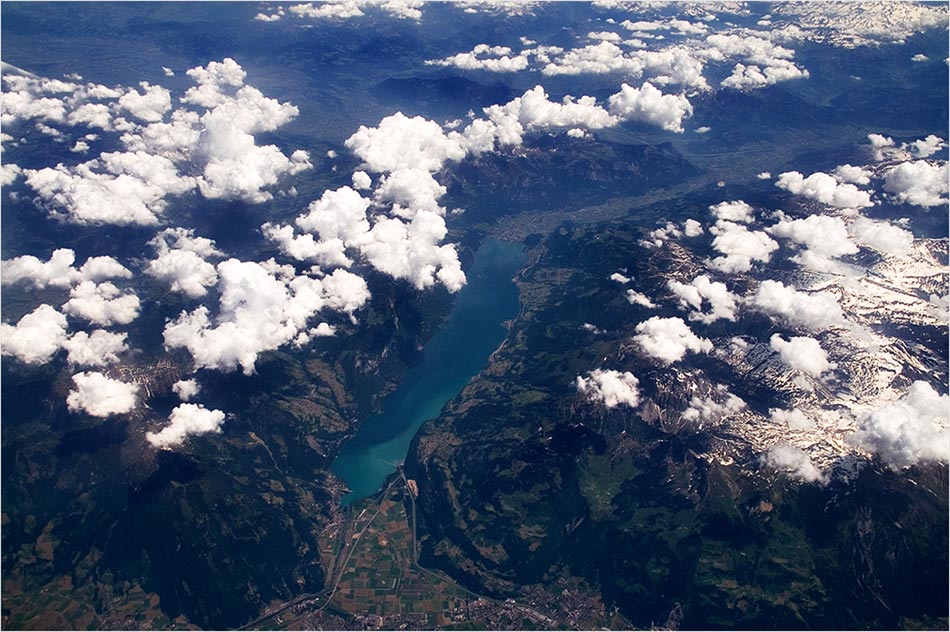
(349, 546)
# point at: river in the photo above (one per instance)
(451, 358)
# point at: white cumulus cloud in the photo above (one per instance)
(740, 247)
(186, 420)
(919, 182)
(824, 237)
(186, 389)
(102, 303)
(910, 430)
(736, 211)
(825, 189)
(882, 236)
(36, 337)
(802, 353)
(401, 142)
(669, 339)
(611, 388)
(101, 396)
(721, 302)
(262, 307)
(97, 349)
(811, 310)
(648, 104)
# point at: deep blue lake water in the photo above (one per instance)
(450, 359)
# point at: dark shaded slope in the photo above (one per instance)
(521, 479)
(560, 172)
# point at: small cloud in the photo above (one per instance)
(703, 411)
(98, 349)
(740, 247)
(638, 298)
(812, 310)
(101, 396)
(802, 353)
(692, 228)
(611, 388)
(362, 180)
(737, 211)
(669, 339)
(102, 303)
(721, 302)
(794, 462)
(186, 389)
(186, 420)
(852, 174)
(825, 189)
(794, 418)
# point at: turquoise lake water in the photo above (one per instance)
(451, 358)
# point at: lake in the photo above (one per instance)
(451, 358)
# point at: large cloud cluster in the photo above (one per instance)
(58, 271)
(399, 230)
(766, 63)
(910, 430)
(207, 144)
(669, 339)
(37, 337)
(116, 188)
(346, 9)
(678, 57)
(407, 246)
(611, 388)
(29, 97)
(262, 307)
